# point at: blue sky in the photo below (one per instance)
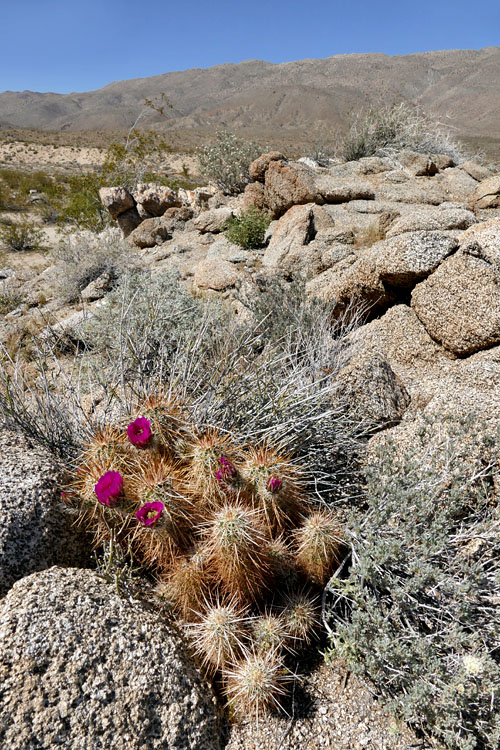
(79, 45)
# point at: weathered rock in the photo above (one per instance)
(198, 197)
(403, 260)
(459, 304)
(475, 170)
(487, 193)
(214, 220)
(295, 228)
(456, 184)
(151, 232)
(98, 288)
(116, 200)
(418, 165)
(289, 185)
(255, 197)
(217, 274)
(373, 391)
(419, 190)
(259, 166)
(36, 530)
(128, 221)
(485, 236)
(83, 668)
(442, 161)
(338, 190)
(155, 199)
(353, 280)
(429, 218)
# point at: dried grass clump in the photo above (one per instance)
(384, 130)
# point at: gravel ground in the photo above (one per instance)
(331, 709)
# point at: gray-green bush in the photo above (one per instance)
(418, 611)
(226, 161)
(84, 256)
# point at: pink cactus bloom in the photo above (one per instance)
(274, 484)
(139, 431)
(149, 513)
(226, 472)
(109, 488)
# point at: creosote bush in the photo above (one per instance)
(248, 229)
(419, 609)
(21, 236)
(194, 509)
(380, 131)
(226, 161)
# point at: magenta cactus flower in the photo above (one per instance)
(273, 484)
(226, 472)
(149, 513)
(139, 431)
(109, 488)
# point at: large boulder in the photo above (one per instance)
(475, 170)
(459, 304)
(259, 166)
(419, 190)
(417, 165)
(116, 200)
(429, 218)
(150, 232)
(487, 193)
(216, 274)
(254, 196)
(289, 185)
(84, 668)
(407, 258)
(337, 190)
(373, 391)
(153, 200)
(36, 530)
(213, 220)
(294, 229)
(354, 280)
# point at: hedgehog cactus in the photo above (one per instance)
(229, 530)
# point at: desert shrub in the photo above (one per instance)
(418, 611)
(9, 299)
(380, 131)
(226, 161)
(248, 229)
(84, 256)
(21, 236)
(125, 165)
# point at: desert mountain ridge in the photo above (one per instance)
(285, 101)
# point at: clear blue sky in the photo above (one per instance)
(79, 45)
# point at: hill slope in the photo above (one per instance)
(460, 86)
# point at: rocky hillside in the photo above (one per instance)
(286, 100)
(414, 241)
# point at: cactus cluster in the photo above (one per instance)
(239, 548)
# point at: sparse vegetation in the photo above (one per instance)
(417, 610)
(383, 130)
(248, 229)
(226, 161)
(84, 256)
(21, 236)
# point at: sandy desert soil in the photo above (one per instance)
(75, 159)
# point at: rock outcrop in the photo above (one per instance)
(36, 530)
(83, 668)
